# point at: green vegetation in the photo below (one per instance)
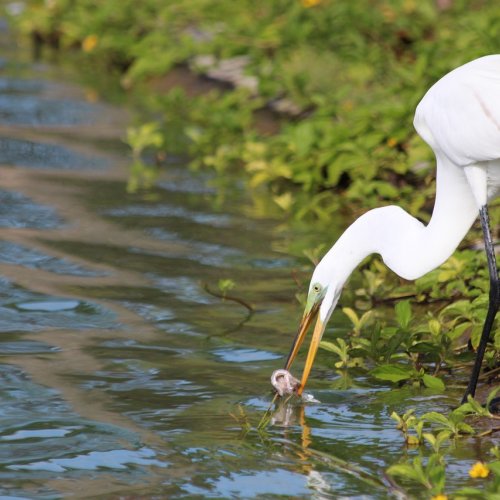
(352, 71)
(418, 348)
(348, 75)
(443, 429)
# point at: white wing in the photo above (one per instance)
(460, 114)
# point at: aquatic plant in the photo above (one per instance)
(437, 429)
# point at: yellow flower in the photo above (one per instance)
(479, 469)
(439, 497)
(310, 3)
(391, 142)
(89, 43)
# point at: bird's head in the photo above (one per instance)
(322, 298)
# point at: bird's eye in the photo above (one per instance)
(316, 288)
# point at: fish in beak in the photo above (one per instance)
(314, 301)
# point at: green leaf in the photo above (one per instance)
(464, 428)
(433, 382)
(424, 348)
(430, 438)
(303, 137)
(393, 373)
(469, 493)
(459, 330)
(366, 318)
(403, 313)
(471, 407)
(495, 467)
(443, 436)
(225, 285)
(330, 346)
(397, 418)
(436, 472)
(404, 470)
(475, 335)
(414, 471)
(491, 396)
(351, 314)
(434, 327)
(394, 342)
(436, 418)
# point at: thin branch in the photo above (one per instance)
(224, 296)
(489, 373)
(489, 432)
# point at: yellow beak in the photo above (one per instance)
(319, 328)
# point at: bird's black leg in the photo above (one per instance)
(493, 305)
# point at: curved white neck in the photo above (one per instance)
(408, 247)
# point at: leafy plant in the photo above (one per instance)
(408, 422)
(147, 135)
(225, 285)
(353, 72)
(431, 475)
(399, 373)
(454, 424)
(359, 323)
(480, 471)
(341, 349)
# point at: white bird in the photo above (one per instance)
(459, 118)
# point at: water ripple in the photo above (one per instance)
(95, 460)
(184, 288)
(22, 310)
(37, 111)
(206, 253)
(19, 211)
(13, 253)
(42, 433)
(177, 211)
(25, 153)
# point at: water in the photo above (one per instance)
(119, 374)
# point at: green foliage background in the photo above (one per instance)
(355, 70)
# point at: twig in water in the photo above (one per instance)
(488, 432)
(489, 373)
(224, 296)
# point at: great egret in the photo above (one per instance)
(459, 118)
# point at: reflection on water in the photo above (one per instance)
(25, 153)
(19, 211)
(41, 435)
(13, 253)
(120, 374)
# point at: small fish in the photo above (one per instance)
(284, 382)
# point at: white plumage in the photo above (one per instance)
(459, 116)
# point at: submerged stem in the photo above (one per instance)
(224, 296)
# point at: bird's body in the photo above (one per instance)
(459, 118)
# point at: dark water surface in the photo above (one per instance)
(119, 374)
